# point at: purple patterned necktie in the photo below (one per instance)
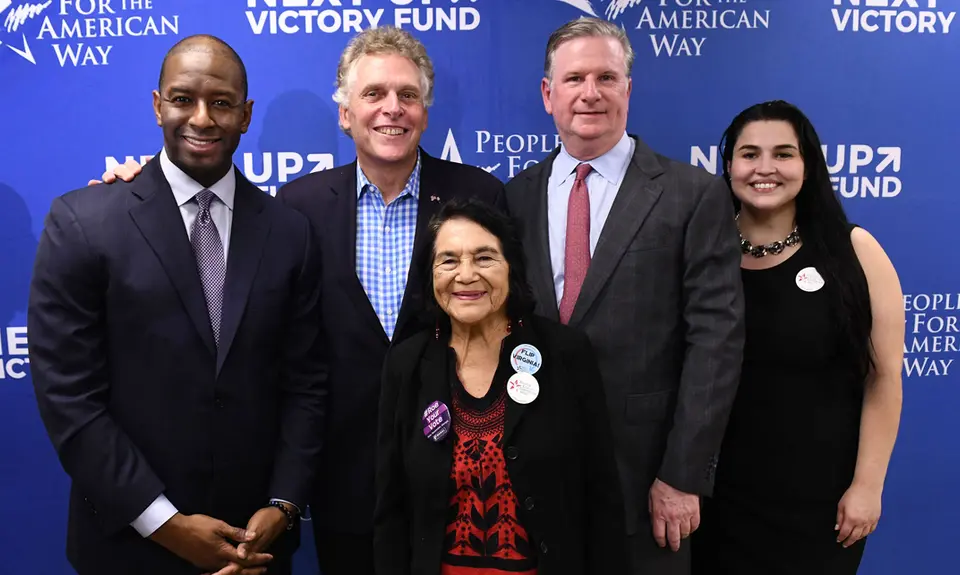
(208, 249)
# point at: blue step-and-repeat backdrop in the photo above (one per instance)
(879, 79)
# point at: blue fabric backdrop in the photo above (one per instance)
(877, 77)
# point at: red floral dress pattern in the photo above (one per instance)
(484, 536)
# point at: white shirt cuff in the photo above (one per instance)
(154, 516)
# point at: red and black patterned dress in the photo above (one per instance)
(484, 535)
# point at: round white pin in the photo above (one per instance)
(523, 387)
(809, 279)
(526, 358)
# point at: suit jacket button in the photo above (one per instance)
(543, 547)
(528, 503)
(512, 452)
(218, 402)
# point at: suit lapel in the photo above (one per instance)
(433, 194)
(246, 248)
(435, 386)
(345, 248)
(515, 412)
(637, 195)
(158, 218)
(537, 234)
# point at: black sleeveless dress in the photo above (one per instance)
(790, 450)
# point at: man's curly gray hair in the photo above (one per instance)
(383, 40)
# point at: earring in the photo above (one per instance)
(436, 331)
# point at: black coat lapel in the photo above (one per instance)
(247, 238)
(516, 411)
(344, 236)
(536, 235)
(435, 383)
(434, 192)
(159, 220)
(638, 194)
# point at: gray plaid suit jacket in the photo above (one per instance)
(662, 304)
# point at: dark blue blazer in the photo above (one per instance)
(134, 394)
(344, 496)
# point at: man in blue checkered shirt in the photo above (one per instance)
(370, 218)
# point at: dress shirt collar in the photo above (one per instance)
(609, 166)
(185, 188)
(412, 187)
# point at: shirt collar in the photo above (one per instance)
(412, 188)
(185, 188)
(608, 166)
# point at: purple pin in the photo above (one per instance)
(436, 421)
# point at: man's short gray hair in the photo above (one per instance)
(383, 40)
(586, 28)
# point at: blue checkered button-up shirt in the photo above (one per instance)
(385, 235)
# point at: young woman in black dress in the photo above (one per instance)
(802, 467)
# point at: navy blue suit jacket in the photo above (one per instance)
(136, 397)
(344, 497)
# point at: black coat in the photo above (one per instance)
(342, 499)
(558, 450)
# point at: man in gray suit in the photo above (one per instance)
(641, 253)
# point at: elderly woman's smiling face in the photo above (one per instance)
(470, 274)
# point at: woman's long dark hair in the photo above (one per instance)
(822, 224)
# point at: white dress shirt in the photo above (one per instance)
(221, 211)
(603, 182)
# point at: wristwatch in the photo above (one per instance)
(291, 517)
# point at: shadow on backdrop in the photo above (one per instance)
(445, 117)
(18, 248)
(34, 485)
(299, 121)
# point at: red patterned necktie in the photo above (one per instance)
(576, 257)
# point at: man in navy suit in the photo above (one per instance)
(370, 218)
(176, 347)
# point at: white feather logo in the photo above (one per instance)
(614, 7)
(618, 7)
(582, 5)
